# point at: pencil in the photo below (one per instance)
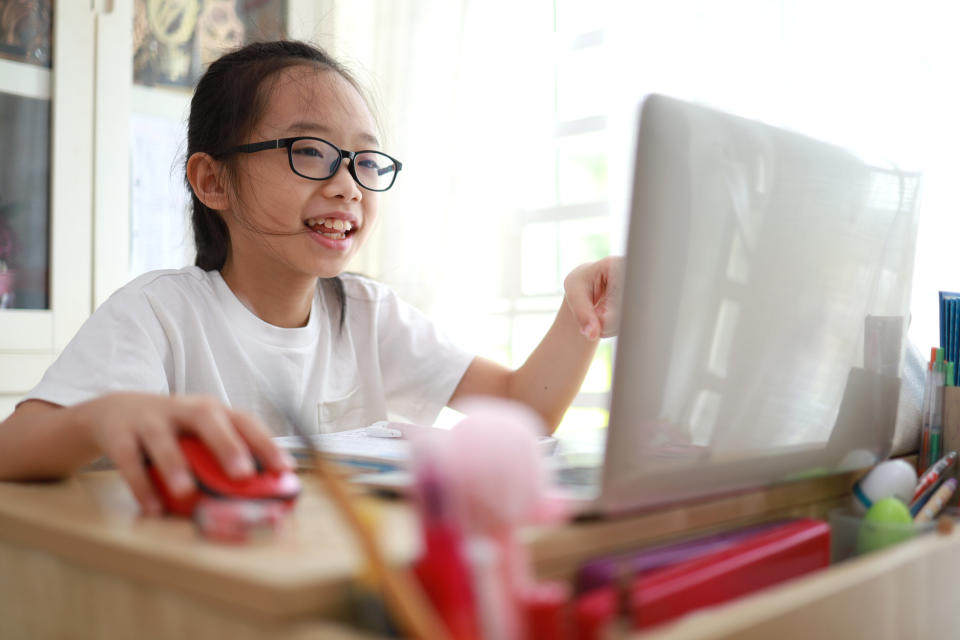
(932, 475)
(404, 597)
(937, 501)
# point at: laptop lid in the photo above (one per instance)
(764, 309)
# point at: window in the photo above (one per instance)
(507, 147)
(542, 107)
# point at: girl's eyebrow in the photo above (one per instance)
(313, 127)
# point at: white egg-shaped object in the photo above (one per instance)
(891, 478)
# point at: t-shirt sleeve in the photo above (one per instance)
(119, 348)
(421, 367)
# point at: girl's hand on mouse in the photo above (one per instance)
(125, 426)
(592, 291)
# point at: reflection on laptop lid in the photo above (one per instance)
(764, 311)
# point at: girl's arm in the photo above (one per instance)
(551, 377)
(42, 440)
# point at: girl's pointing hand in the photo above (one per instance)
(592, 291)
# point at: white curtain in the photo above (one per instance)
(878, 77)
(469, 100)
(465, 94)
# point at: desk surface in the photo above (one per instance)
(93, 520)
(91, 523)
(78, 552)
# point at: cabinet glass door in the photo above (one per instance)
(25, 61)
(46, 118)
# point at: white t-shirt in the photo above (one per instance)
(184, 331)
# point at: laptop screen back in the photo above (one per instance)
(764, 311)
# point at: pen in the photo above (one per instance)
(545, 611)
(937, 501)
(936, 421)
(493, 603)
(441, 568)
(925, 414)
(929, 479)
(304, 460)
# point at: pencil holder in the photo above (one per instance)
(951, 425)
(851, 535)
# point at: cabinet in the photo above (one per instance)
(30, 337)
(99, 130)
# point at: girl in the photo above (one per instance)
(285, 171)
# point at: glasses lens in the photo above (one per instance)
(314, 158)
(375, 171)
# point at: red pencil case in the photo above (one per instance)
(772, 556)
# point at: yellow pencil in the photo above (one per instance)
(937, 501)
(404, 597)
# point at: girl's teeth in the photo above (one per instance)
(331, 223)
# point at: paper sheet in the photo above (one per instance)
(356, 445)
(353, 444)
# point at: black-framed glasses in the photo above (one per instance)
(318, 159)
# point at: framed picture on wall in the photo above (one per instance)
(25, 30)
(175, 40)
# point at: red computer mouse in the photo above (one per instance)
(212, 481)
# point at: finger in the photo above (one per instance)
(159, 441)
(579, 296)
(260, 442)
(207, 418)
(610, 323)
(608, 307)
(125, 453)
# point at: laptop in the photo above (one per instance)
(764, 311)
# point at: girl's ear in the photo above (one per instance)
(206, 177)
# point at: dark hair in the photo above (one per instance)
(229, 100)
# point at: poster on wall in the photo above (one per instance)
(159, 205)
(175, 40)
(25, 30)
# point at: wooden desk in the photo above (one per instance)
(77, 561)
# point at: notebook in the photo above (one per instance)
(365, 453)
(354, 447)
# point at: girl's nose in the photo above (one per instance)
(341, 184)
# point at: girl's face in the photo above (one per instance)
(282, 223)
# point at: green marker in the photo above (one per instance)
(936, 422)
(935, 437)
(950, 373)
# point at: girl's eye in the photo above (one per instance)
(313, 152)
(368, 163)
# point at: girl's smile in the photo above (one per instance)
(334, 231)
